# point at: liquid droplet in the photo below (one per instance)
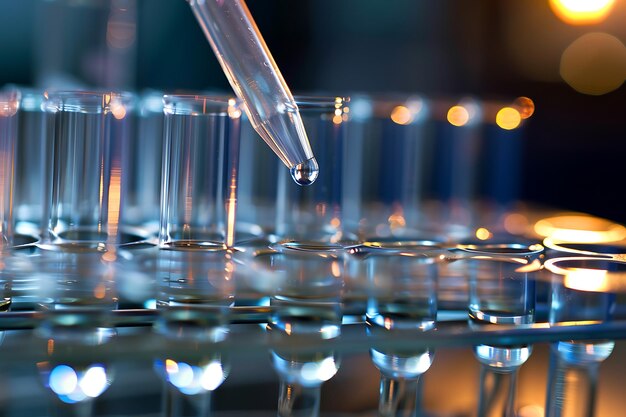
(306, 172)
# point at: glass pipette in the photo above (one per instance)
(253, 74)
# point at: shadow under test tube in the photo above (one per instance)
(255, 78)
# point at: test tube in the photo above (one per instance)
(501, 292)
(255, 78)
(143, 163)
(306, 306)
(403, 301)
(30, 160)
(200, 172)
(9, 105)
(581, 294)
(87, 132)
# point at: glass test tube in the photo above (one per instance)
(143, 163)
(9, 106)
(277, 210)
(200, 172)
(87, 131)
(30, 167)
(386, 166)
(580, 293)
(402, 301)
(315, 213)
(256, 80)
(501, 292)
(306, 306)
(76, 292)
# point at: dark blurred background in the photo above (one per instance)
(571, 66)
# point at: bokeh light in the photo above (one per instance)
(525, 107)
(582, 12)
(458, 116)
(401, 115)
(508, 118)
(594, 64)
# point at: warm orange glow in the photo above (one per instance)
(118, 110)
(231, 205)
(525, 107)
(401, 115)
(458, 116)
(531, 410)
(110, 256)
(115, 190)
(594, 64)
(8, 107)
(581, 12)
(50, 347)
(483, 234)
(593, 280)
(516, 223)
(120, 34)
(580, 229)
(337, 119)
(508, 118)
(171, 367)
(335, 269)
(397, 220)
(388, 323)
(335, 222)
(288, 328)
(100, 291)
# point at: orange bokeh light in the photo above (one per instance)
(582, 12)
(458, 116)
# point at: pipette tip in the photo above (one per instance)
(306, 172)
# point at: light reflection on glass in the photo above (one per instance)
(77, 384)
(193, 379)
(580, 229)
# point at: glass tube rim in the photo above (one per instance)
(200, 104)
(10, 101)
(612, 250)
(551, 264)
(312, 102)
(502, 249)
(86, 101)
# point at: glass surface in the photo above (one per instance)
(9, 106)
(87, 132)
(255, 78)
(271, 206)
(577, 295)
(200, 172)
(143, 161)
(30, 165)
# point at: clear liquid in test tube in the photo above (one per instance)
(253, 74)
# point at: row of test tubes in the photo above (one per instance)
(188, 216)
(389, 164)
(306, 297)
